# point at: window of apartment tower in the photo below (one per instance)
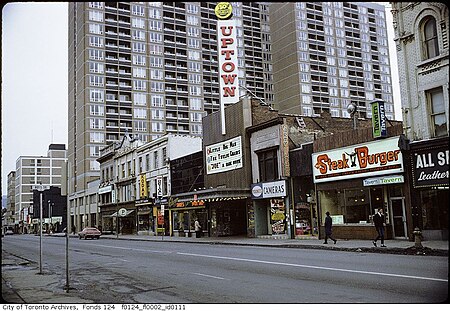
(268, 164)
(430, 39)
(435, 99)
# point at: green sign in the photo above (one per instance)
(378, 119)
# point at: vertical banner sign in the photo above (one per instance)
(159, 189)
(378, 119)
(284, 148)
(143, 193)
(227, 56)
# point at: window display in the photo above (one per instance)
(352, 205)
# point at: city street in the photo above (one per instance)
(124, 271)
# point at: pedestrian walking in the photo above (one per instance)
(378, 220)
(328, 228)
(198, 229)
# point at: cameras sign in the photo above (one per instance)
(224, 156)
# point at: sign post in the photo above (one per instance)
(162, 221)
(40, 188)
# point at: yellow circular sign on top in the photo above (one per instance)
(223, 10)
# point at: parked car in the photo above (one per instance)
(9, 231)
(88, 232)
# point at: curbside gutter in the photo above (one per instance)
(421, 251)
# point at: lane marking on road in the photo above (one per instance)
(210, 276)
(135, 249)
(316, 267)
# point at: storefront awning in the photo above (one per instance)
(143, 212)
(115, 214)
(210, 195)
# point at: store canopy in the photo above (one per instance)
(115, 214)
(210, 195)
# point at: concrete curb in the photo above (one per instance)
(412, 250)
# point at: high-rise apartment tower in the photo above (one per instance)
(328, 55)
(150, 68)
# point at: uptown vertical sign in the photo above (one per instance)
(227, 57)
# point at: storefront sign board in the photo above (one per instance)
(373, 158)
(224, 156)
(386, 180)
(275, 189)
(430, 167)
(105, 189)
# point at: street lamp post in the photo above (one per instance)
(352, 109)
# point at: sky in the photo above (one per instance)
(34, 90)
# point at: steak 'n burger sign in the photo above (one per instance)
(368, 159)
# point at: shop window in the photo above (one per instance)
(268, 165)
(376, 199)
(434, 209)
(347, 206)
(357, 205)
(145, 222)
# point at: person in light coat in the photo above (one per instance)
(198, 229)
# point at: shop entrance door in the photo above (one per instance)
(399, 217)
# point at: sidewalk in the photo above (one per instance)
(22, 283)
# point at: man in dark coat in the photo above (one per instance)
(378, 220)
(328, 226)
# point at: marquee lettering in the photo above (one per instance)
(364, 158)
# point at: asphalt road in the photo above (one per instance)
(121, 271)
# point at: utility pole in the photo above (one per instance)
(64, 190)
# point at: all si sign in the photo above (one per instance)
(430, 167)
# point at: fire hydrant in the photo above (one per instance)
(417, 237)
